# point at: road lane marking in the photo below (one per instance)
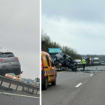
(91, 74)
(59, 72)
(18, 95)
(78, 85)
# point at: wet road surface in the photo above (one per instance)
(80, 88)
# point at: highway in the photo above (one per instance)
(80, 88)
(8, 96)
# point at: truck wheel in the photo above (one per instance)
(45, 85)
(54, 82)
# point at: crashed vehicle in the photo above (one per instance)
(9, 63)
(63, 60)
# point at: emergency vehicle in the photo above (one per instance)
(48, 70)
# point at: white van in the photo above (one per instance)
(96, 60)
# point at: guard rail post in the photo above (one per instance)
(16, 88)
(9, 85)
(33, 91)
(23, 89)
(1, 83)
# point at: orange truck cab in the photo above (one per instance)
(48, 70)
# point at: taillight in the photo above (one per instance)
(42, 65)
(1, 60)
(16, 58)
(41, 77)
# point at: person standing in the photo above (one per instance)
(83, 61)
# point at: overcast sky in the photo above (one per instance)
(19, 33)
(79, 24)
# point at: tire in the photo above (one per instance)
(54, 82)
(45, 85)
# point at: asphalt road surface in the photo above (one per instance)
(8, 96)
(81, 88)
(7, 99)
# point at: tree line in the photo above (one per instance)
(47, 43)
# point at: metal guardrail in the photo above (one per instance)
(80, 65)
(18, 83)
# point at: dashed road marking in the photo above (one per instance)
(78, 85)
(18, 95)
(61, 72)
(91, 74)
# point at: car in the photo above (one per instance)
(103, 62)
(78, 61)
(65, 60)
(48, 70)
(9, 63)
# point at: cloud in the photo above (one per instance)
(19, 33)
(85, 37)
(83, 10)
(29, 63)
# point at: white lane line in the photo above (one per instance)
(60, 72)
(19, 95)
(91, 74)
(78, 85)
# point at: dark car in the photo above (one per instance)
(9, 63)
(65, 61)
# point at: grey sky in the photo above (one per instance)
(19, 33)
(78, 24)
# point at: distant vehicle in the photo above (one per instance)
(96, 60)
(48, 70)
(103, 62)
(78, 61)
(13, 76)
(65, 61)
(9, 63)
(54, 51)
